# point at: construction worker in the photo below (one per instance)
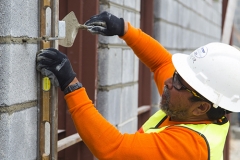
(197, 91)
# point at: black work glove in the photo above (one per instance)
(55, 65)
(105, 24)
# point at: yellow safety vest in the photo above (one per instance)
(213, 134)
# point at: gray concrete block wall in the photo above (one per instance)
(19, 18)
(18, 132)
(18, 80)
(181, 26)
(17, 74)
(118, 70)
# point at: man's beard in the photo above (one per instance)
(165, 106)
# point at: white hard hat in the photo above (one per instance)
(213, 71)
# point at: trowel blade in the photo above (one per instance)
(72, 27)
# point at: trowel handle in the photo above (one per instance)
(82, 26)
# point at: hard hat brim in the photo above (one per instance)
(181, 64)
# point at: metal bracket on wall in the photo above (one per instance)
(48, 123)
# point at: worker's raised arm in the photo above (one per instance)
(149, 51)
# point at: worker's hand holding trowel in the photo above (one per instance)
(105, 24)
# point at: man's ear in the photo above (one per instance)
(202, 109)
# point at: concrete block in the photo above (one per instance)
(219, 6)
(218, 33)
(212, 30)
(158, 31)
(202, 25)
(201, 7)
(160, 34)
(235, 130)
(111, 40)
(179, 37)
(196, 43)
(215, 31)
(184, 41)
(191, 43)
(131, 17)
(181, 14)
(156, 9)
(135, 97)
(130, 4)
(185, 3)
(218, 19)
(186, 18)
(104, 7)
(194, 5)
(204, 28)
(19, 18)
(137, 20)
(161, 9)
(109, 66)
(19, 135)
(138, 5)
(170, 35)
(130, 126)
(136, 68)
(120, 2)
(127, 66)
(192, 25)
(202, 40)
(109, 104)
(117, 11)
(207, 14)
(129, 102)
(173, 12)
(18, 73)
(5, 18)
(174, 37)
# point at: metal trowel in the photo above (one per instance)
(71, 27)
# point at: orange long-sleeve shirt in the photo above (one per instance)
(107, 143)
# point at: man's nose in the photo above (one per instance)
(169, 83)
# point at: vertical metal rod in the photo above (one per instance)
(54, 90)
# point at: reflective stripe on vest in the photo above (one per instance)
(213, 134)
